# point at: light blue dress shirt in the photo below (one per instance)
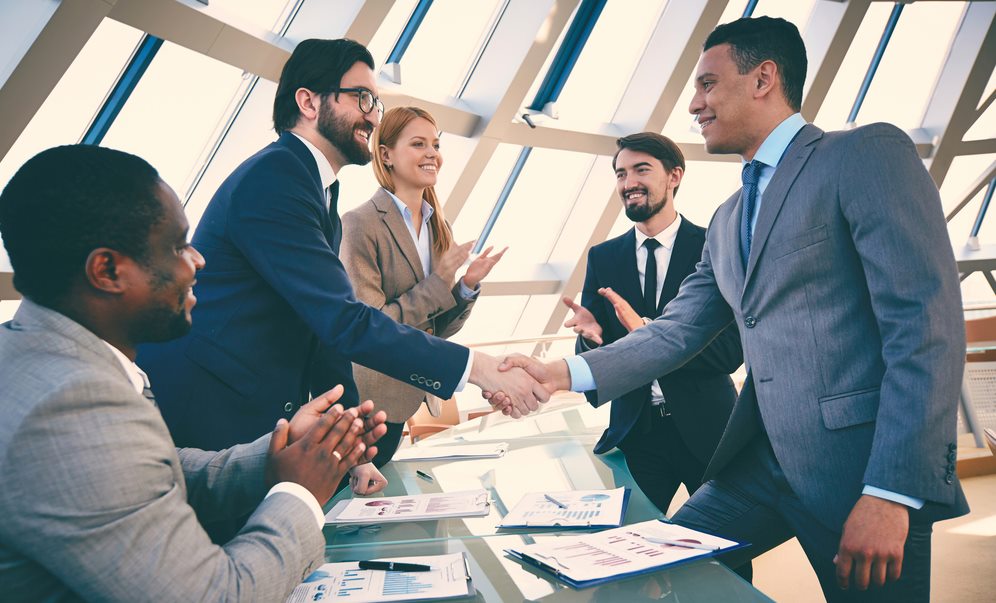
(422, 242)
(770, 154)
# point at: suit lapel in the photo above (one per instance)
(399, 230)
(733, 238)
(682, 254)
(291, 142)
(625, 263)
(777, 191)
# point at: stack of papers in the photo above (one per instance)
(613, 554)
(449, 578)
(569, 509)
(411, 507)
(433, 453)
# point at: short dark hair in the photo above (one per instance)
(317, 65)
(67, 201)
(753, 41)
(656, 145)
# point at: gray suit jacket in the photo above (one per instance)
(98, 504)
(386, 272)
(849, 311)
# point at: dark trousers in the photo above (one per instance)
(659, 460)
(751, 501)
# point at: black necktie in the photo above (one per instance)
(650, 279)
(750, 175)
(333, 196)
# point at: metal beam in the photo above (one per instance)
(50, 55)
(953, 105)
(980, 183)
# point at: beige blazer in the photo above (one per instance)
(383, 263)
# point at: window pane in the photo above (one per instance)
(22, 23)
(481, 201)
(449, 37)
(174, 112)
(908, 71)
(65, 114)
(539, 204)
(605, 65)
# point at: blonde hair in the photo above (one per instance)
(386, 134)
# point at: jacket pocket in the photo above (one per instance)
(851, 408)
(799, 242)
(215, 360)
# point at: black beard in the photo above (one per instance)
(339, 133)
(642, 213)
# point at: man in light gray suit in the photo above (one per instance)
(97, 503)
(835, 264)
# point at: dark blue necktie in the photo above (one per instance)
(650, 279)
(749, 176)
(333, 195)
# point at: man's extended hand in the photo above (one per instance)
(306, 417)
(583, 322)
(522, 394)
(366, 479)
(871, 548)
(624, 312)
(551, 377)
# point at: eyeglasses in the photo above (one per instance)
(367, 101)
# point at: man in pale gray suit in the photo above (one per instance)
(835, 263)
(97, 503)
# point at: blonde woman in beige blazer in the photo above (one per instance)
(400, 255)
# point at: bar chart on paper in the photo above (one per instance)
(405, 583)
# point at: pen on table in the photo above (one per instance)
(423, 475)
(555, 501)
(394, 566)
(681, 543)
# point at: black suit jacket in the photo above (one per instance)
(273, 290)
(700, 394)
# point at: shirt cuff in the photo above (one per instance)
(581, 378)
(909, 501)
(467, 293)
(301, 493)
(466, 371)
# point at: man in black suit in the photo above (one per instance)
(667, 429)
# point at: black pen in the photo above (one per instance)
(423, 475)
(394, 566)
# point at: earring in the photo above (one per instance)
(388, 166)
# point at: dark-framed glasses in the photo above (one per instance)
(367, 101)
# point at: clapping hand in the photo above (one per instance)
(624, 312)
(306, 417)
(583, 322)
(451, 261)
(481, 267)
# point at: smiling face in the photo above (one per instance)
(722, 104)
(164, 298)
(415, 159)
(343, 124)
(644, 184)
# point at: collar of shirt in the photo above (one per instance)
(135, 374)
(665, 237)
(407, 213)
(773, 148)
(325, 171)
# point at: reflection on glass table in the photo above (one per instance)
(531, 465)
(565, 415)
(500, 578)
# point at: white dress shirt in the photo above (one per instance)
(662, 254)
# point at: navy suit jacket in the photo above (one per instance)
(272, 290)
(699, 395)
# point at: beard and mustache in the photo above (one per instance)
(339, 131)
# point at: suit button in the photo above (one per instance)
(952, 447)
(414, 377)
(436, 385)
(948, 479)
(288, 407)
(749, 322)
(952, 457)
(429, 331)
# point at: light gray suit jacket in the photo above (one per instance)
(97, 503)
(849, 311)
(384, 266)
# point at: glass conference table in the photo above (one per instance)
(550, 450)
